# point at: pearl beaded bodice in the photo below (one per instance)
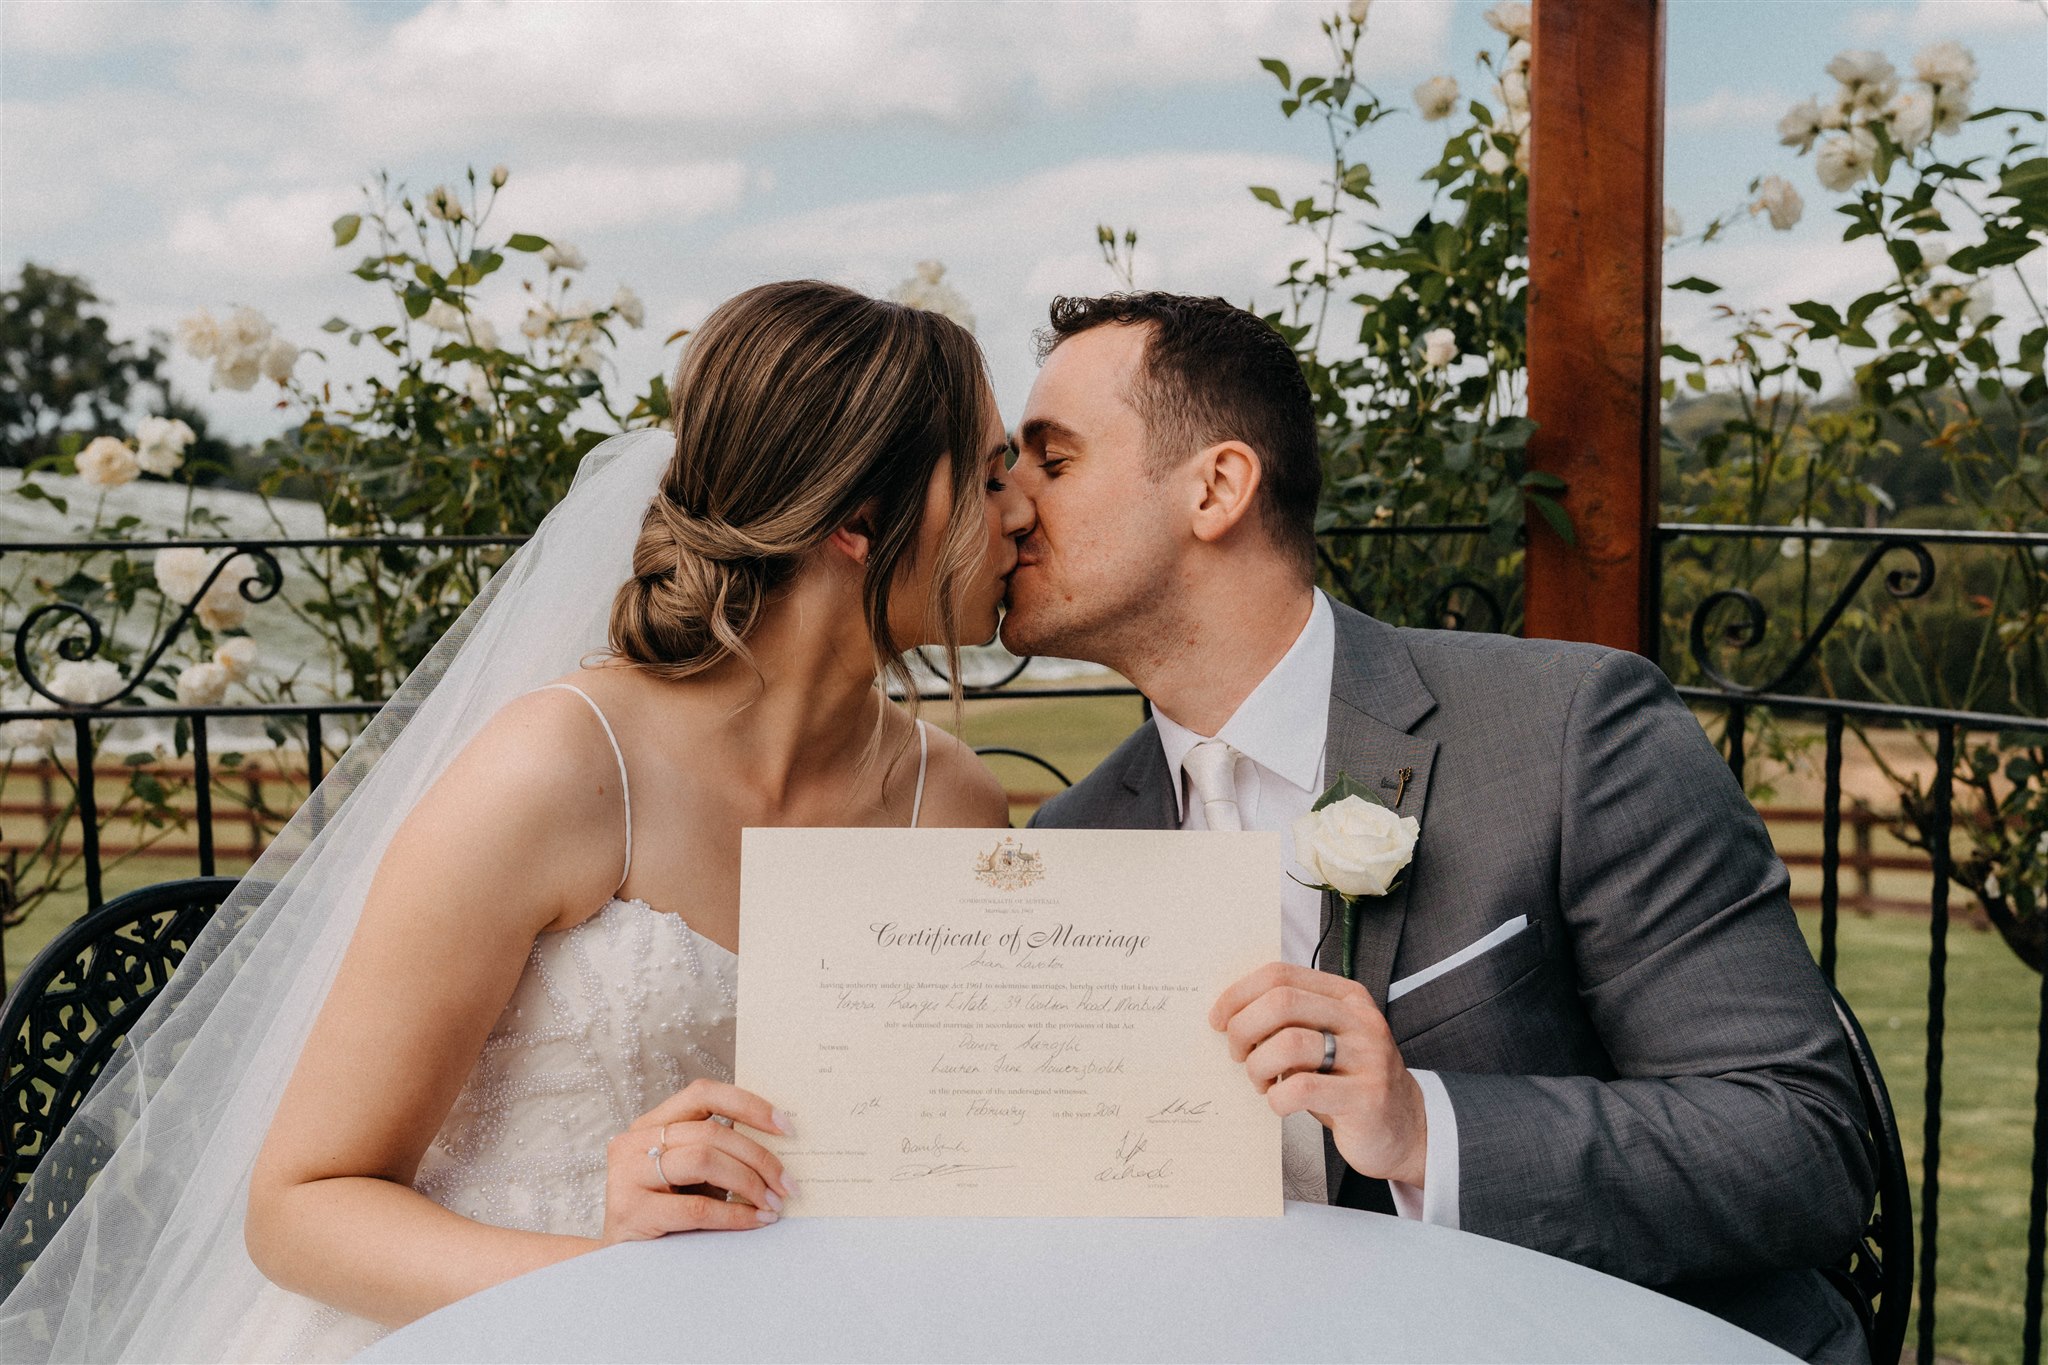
(609, 1018)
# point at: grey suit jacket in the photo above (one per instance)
(1649, 1079)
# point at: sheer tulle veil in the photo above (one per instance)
(151, 1264)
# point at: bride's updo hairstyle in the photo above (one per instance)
(795, 404)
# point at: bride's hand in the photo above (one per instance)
(659, 1169)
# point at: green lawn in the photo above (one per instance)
(1993, 1008)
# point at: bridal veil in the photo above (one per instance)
(150, 1264)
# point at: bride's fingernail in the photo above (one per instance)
(788, 1188)
(781, 1122)
(774, 1199)
(766, 1215)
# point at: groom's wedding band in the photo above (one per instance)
(1329, 1053)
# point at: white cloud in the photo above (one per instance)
(1011, 247)
(592, 196)
(1727, 108)
(261, 237)
(1935, 19)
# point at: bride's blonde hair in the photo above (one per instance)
(795, 404)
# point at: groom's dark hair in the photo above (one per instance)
(1214, 372)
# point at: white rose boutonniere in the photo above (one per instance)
(1357, 846)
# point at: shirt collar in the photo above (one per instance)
(1284, 723)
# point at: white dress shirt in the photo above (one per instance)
(1280, 729)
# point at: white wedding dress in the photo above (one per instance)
(609, 1018)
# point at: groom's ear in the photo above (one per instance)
(1229, 473)
(853, 538)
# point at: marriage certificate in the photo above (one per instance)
(980, 1022)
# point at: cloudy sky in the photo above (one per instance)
(192, 155)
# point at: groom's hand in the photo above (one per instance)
(1275, 1018)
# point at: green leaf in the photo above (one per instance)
(2003, 249)
(1544, 479)
(1821, 318)
(2028, 177)
(1696, 285)
(1279, 70)
(417, 301)
(1266, 195)
(1554, 513)
(526, 241)
(334, 325)
(1345, 786)
(346, 227)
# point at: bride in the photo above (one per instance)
(473, 1013)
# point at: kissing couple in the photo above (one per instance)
(473, 1012)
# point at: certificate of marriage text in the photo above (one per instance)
(985, 1022)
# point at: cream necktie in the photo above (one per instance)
(1211, 767)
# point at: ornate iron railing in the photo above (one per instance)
(1731, 619)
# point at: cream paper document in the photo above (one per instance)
(1007, 1023)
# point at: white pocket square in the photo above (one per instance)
(1458, 959)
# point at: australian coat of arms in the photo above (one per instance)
(1008, 867)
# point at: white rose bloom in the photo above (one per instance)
(1493, 160)
(278, 359)
(1518, 58)
(1776, 196)
(562, 256)
(237, 655)
(1801, 125)
(180, 570)
(445, 204)
(1436, 98)
(86, 680)
(239, 369)
(2041, 844)
(29, 734)
(482, 333)
(500, 173)
(1518, 124)
(1870, 98)
(1522, 156)
(1845, 159)
(1439, 348)
(246, 327)
(1674, 226)
(584, 358)
(202, 685)
(1861, 66)
(1355, 845)
(1835, 113)
(1910, 116)
(1509, 17)
(200, 335)
(1359, 9)
(107, 462)
(443, 316)
(224, 607)
(1934, 255)
(1791, 547)
(628, 306)
(1992, 890)
(160, 444)
(1946, 64)
(1514, 90)
(927, 289)
(477, 384)
(539, 321)
(1951, 108)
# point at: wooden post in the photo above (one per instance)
(1596, 243)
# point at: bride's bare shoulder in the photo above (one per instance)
(959, 789)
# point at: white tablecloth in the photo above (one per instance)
(1319, 1284)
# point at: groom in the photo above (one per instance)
(1584, 1021)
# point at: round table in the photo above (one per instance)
(1319, 1284)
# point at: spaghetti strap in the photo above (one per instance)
(625, 789)
(924, 753)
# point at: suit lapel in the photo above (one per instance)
(1150, 786)
(1376, 699)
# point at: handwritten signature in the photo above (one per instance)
(1183, 1111)
(921, 1171)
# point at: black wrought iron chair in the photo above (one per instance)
(66, 1015)
(1877, 1277)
